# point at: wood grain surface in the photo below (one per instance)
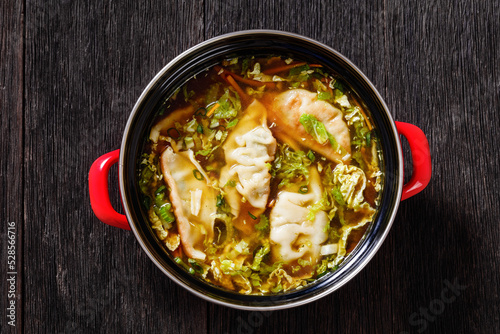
(70, 74)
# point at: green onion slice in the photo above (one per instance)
(197, 174)
(201, 112)
(173, 133)
(220, 201)
(160, 190)
(303, 189)
(199, 129)
(311, 156)
(196, 266)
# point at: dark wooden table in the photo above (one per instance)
(72, 70)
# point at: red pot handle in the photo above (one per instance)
(99, 194)
(421, 159)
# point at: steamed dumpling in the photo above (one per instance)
(293, 236)
(286, 110)
(248, 150)
(193, 200)
(248, 164)
(168, 122)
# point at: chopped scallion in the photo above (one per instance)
(322, 274)
(173, 133)
(160, 190)
(220, 201)
(196, 266)
(311, 156)
(165, 214)
(263, 224)
(368, 137)
(201, 112)
(303, 189)
(197, 174)
(179, 261)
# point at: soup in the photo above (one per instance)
(261, 174)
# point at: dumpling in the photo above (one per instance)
(293, 236)
(248, 150)
(286, 110)
(168, 122)
(193, 200)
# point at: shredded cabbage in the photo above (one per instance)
(256, 70)
(290, 165)
(172, 241)
(352, 182)
(148, 174)
(230, 267)
(324, 204)
(343, 101)
(229, 105)
(354, 117)
(346, 230)
(300, 73)
(242, 248)
(279, 280)
(263, 251)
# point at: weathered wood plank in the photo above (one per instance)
(11, 176)
(86, 64)
(437, 64)
(443, 75)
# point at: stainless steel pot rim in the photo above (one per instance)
(359, 266)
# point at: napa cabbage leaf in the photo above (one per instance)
(259, 256)
(346, 230)
(229, 105)
(352, 183)
(317, 130)
(290, 165)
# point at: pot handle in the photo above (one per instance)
(421, 159)
(99, 194)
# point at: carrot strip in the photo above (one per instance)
(239, 78)
(279, 69)
(238, 89)
(178, 252)
(253, 83)
(214, 107)
(370, 127)
(315, 65)
(366, 119)
(219, 70)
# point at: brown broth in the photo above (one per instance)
(242, 255)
